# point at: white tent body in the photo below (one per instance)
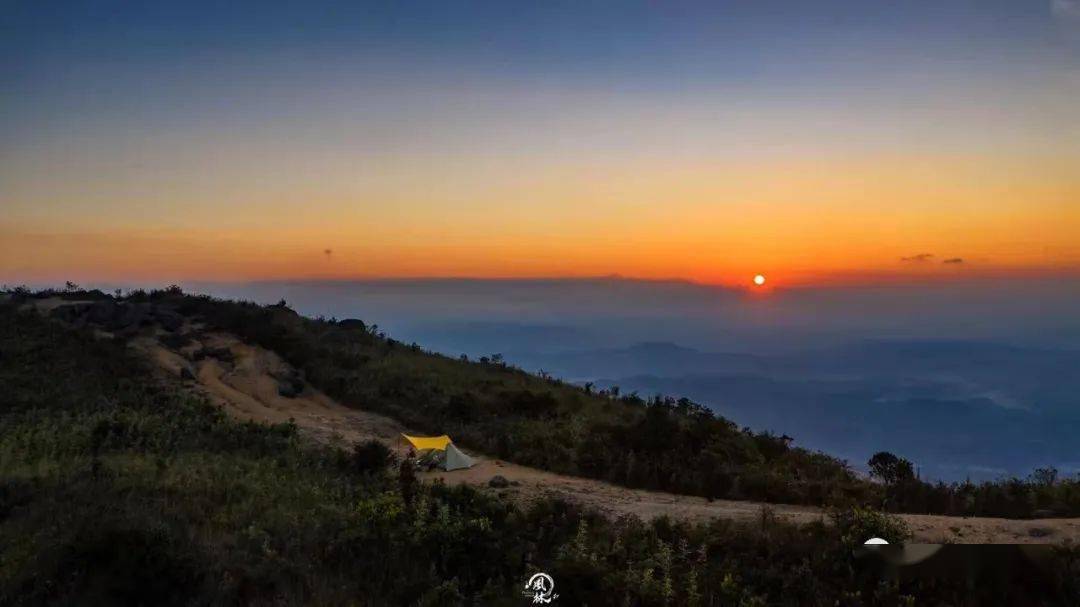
(455, 459)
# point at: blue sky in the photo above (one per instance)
(266, 132)
(604, 39)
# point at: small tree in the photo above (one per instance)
(890, 469)
(1045, 476)
(407, 482)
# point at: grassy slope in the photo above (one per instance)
(663, 444)
(116, 489)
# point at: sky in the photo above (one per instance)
(820, 142)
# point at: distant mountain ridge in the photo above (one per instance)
(656, 358)
(965, 408)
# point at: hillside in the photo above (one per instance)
(252, 383)
(659, 443)
(119, 485)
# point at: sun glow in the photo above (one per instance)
(759, 280)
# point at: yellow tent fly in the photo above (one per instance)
(420, 443)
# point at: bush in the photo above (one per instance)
(371, 457)
(857, 525)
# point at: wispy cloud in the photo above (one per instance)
(920, 258)
(954, 260)
(1066, 11)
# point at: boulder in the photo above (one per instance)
(498, 481)
(290, 388)
(290, 385)
(352, 323)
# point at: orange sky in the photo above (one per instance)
(249, 163)
(799, 222)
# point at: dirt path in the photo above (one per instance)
(244, 380)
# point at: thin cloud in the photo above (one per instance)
(1067, 14)
(1066, 10)
(954, 260)
(920, 258)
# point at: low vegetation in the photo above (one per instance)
(116, 488)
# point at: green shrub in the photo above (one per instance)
(856, 525)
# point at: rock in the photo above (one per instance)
(290, 389)
(352, 323)
(515, 483)
(289, 386)
(185, 373)
(498, 481)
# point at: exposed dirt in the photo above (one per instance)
(247, 386)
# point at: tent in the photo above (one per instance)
(428, 442)
(440, 452)
(455, 459)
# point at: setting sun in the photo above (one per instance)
(759, 280)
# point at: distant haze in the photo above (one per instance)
(465, 315)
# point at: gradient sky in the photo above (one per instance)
(816, 142)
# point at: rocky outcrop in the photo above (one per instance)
(124, 318)
(352, 323)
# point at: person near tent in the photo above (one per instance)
(439, 452)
